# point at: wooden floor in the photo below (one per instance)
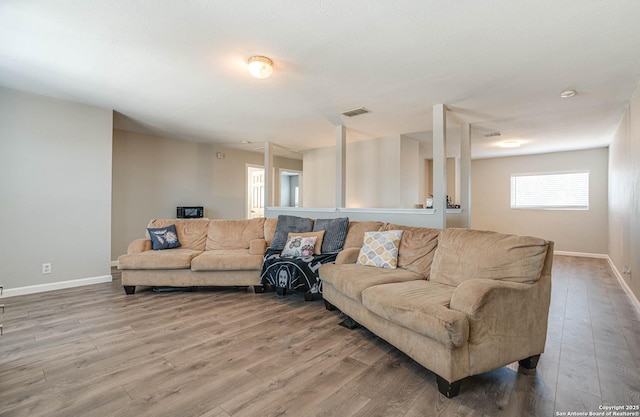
(93, 351)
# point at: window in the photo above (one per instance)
(550, 191)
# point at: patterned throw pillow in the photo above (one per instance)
(164, 238)
(298, 246)
(317, 249)
(380, 249)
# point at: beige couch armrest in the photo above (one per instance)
(139, 246)
(347, 256)
(508, 316)
(257, 247)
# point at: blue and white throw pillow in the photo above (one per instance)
(164, 238)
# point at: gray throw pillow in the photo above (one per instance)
(164, 238)
(335, 233)
(287, 224)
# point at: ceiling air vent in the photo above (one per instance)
(492, 134)
(356, 112)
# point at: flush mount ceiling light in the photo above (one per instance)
(260, 66)
(568, 93)
(510, 144)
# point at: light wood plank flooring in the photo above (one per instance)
(93, 351)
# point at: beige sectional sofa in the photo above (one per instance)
(461, 302)
(212, 253)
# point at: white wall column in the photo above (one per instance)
(341, 165)
(268, 174)
(440, 165)
(465, 173)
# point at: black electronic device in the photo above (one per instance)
(190, 212)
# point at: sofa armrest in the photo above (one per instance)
(501, 311)
(347, 256)
(139, 246)
(257, 247)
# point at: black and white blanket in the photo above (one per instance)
(298, 274)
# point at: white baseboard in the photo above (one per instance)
(625, 286)
(32, 289)
(581, 254)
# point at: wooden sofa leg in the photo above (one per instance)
(349, 323)
(329, 306)
(530, 363)
(448, 389)
(129, 289)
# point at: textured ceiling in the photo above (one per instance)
(177, 68)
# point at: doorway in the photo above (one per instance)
(255, 191)
(290, 188)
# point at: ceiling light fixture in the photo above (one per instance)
(510, 144)
(260, 66)
(568, 93)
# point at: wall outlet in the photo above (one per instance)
(626, 270)
(46, 268)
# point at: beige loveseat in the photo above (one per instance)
(212, 253)
(461, 302)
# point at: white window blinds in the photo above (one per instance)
(559, 191)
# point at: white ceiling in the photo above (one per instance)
(177, 68)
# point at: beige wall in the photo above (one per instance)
(55, 192)
(380, 173)
(574, 231)
(624, 195)
(319, 178)
(153, 175)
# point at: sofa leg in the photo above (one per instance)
(448, 389)
(329, 306)
(129, 289)
(530, 363)
(310, 296)
(349, 323)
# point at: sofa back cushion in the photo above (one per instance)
(192, 233)
(355, 234)
(464, 254)
(270, 225)
(234, 234)
(417, 248)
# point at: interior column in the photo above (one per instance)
(341, 165)
(440, 165)
(465, 174)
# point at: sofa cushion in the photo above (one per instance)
(287, 224)
(352, 279)
(226, 260)
(355, 234)
(380, 249)
(335, 233)
(164, 237)
(192, 233)
(420, 306)
(234, 234)
(270, 225)
(179, 258)
(417, 247)
(464, 254)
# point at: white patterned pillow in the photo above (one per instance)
(380, 249)
(299, 246)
